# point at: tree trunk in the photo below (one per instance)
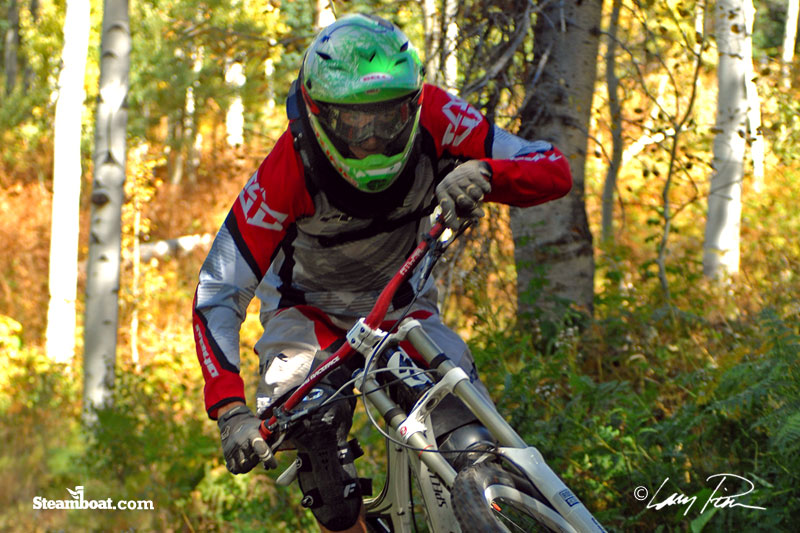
(102, 284)
(721, 248)
(65, 221)
(449, 61)
(324, 14)
(11, 46)
(441, 39)
(754, 136)
(175, 144)
(269, 74)
(234, 118)
(192, 135)
(789, 41)
(28, 75)
(612, 83)
(553, 244)
(433, 41)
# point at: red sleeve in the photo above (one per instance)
(457, 128)
(273, 198)
(525, 173)
(530, 180)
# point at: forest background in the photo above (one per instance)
(676, 376)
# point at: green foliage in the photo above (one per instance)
(643, 393)
(37, 428)
(769, 26)
(173, 458)
(605, 438)
(180, 45)
(10, 329)
(146, 446)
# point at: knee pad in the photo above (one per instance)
(466, 444)
(327, 475)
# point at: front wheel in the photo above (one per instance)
(487, 498)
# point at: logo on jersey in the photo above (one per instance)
(253, 200)
(207, 361)
(463, 119)
(538, 157)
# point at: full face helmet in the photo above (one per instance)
(361, 81)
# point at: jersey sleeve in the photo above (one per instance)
(273, 198)
(524, 173)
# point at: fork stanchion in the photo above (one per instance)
(465, 391)
(394, 417)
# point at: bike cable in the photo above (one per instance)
(436, 252)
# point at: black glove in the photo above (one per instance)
(461, 191)
(242, 444)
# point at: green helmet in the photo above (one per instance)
(362, 82)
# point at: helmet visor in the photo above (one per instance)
(352, 124)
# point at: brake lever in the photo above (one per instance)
(426, 268)
(289, 475)
(436, 249)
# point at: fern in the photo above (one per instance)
(767, 384)
(787, 437)
(756, 423)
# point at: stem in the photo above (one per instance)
(678, 127)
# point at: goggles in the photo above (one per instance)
(353, 124)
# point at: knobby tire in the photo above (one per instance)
(487, 498)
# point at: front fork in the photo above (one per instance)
(433, 471)
(513, 447)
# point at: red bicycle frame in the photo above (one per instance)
(373, 320)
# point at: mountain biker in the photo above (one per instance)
(325, 222)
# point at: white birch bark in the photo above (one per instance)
(721, 247)
(449, 58)
(754, 135)
(190, 126)
(105, 232)
(234, 118)
(65, 224)
(433, 41)
(269, 74)
(324, 14)
(789, 40)
(441, 40)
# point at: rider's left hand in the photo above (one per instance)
(242, 444)
(461, 191)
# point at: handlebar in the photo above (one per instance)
(373, 320)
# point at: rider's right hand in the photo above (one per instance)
(460, 192)
(242, 444)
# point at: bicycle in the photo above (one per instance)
(509, 487)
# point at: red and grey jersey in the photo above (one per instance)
(292, 238)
